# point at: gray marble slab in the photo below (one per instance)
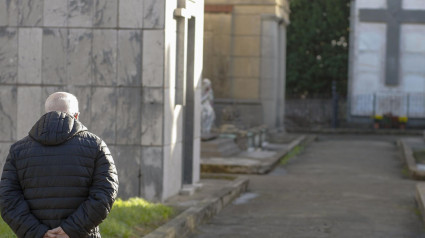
(152, 173)
(4, 151)
(128, 116)
(129, 57)
(8, 113)
(79, 68)
(31, 12)
(104, 57)
(84, 96)
(131, 14)
(80, 13)
(127, 160)
(152, 123)
(153, 58)
(103, 109)
(154, 14)
(55, 44)
(9, 13)
(8, 55)
(30, 50)
(105, 13)
(29, 109)
(55, 13)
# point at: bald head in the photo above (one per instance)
(62, 102)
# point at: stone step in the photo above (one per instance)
(222, 147)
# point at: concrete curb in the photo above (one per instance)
(407, 156)
(185, 223)
(356, 131)
(420, 198)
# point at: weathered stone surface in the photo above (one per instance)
(103, 109)
(9, 13)
(247, 25)
(55, 13)
(172, 177)
(153, 58)
(30, 50)
(131, 14)
(80, 56)
(8, 55)
(152, 173)
(127, 160)
(80, 13)
(246, 67)
(104, 57)
(247, 46)
(152, 117)
(154, 14)
(55, 41)
(8, 113)
(129, 57)
(129, 116)
(29, 109)
(31, 13)
(105, 13)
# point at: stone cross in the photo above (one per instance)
(394, 16)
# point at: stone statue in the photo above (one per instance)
(207, 112)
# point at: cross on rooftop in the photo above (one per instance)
(394, 16)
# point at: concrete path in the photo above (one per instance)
(340, 186)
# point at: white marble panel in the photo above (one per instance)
(413, 4)
(197, 113)
(104, 57)
(196, 160)
(29, 109)
(413, 63)
(129, 57)
(131, 13)
(127, 160)
(152, 117)
(30, 49)
(154, 14)
(8, 113)
(55, 42)
(153, 58)
(152, 173)
(31, 13)
(103, 109)
(413, 83)
(371, 4)
(172, 176)
(9, 13)
(55, 13)
(168, 114)
(369, 62)
(366, 83)
(128, 115)
(371, 37)
(8, 55)
(105, 13)
(413, 38)
(80, 13)
(80, 56)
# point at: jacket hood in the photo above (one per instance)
(54, 128)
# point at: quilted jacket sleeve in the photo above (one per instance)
(102, 195)
(14, 209)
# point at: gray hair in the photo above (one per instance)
(63, 102)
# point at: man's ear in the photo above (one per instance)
(76, 115)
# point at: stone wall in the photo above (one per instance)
(118, 58)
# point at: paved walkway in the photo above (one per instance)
(340, 187)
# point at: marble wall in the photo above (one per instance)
(111, 55)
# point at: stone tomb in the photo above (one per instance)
(387, 58)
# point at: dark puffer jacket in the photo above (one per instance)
(59, 175)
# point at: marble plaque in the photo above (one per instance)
(152, 173)
(103, 109)
(30, 50)
(371, 37)
(413, 63)
(154, 14)
(8, 55)
(55, 46)
(413, 4)
(413, 83)
(369, 62)
(153, 58)
(127, 161)
(105, 13)
(104, 57)
(80, 13)
(128, 116)
(55, 13)
(131, 14)
(413, 38)
(31, 13)
(79, 68)
(129, 57)
(29, 109)
(8, 113)
(9, 13)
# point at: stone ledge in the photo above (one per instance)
(356, 131)
(185, 223)
(420, 198)
(407, 156)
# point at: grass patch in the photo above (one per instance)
(294, 152)
(130, 218)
